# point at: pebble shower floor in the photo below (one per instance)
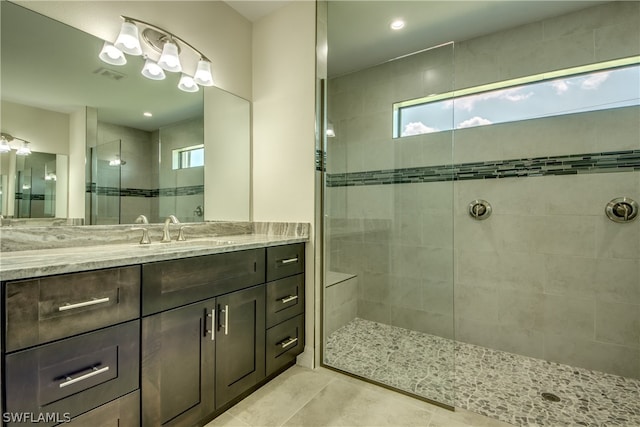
(494, 383)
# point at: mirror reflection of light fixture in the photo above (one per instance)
(117, 162)
(152, 70)
(24, 149)
(112, 55)
(330, 132)
(162, 42)
(187, 84)
(5, 147)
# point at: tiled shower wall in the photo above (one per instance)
(547, 275)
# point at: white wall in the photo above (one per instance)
(50, 136)
(283, 127)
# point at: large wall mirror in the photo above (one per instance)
(144, 140)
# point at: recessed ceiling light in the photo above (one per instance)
(398, 24)
(147, 114)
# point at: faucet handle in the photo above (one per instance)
(145, 240)
(181, 237)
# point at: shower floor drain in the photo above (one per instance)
(550, 397)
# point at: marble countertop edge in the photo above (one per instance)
(45, 262)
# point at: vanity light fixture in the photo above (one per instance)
(157, 41)
(5, 147)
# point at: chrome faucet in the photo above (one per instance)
(171, 219)
(142, 219)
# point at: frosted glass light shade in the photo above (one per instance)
(187, 84)
(128, 40)
(112, 55)
(4, 146)
(203, 73)
(152, 70)
(24, 150)
(169, 60)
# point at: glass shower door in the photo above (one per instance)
(105, 192)
(388, 279)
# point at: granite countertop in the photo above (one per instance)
(44, 262)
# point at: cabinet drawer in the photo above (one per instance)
(122, 412)
(284, 342)
(170, 284)
(45, 309)
(74, 375)
(285, 299)
(283, 261)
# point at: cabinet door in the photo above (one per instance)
(178, 361)
(240, 343)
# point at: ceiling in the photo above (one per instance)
(359, 33)
(359, 37)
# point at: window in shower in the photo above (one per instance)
(188, 157)
(600, 86)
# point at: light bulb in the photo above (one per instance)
(152, 70)
(187, 84)
(112, 55)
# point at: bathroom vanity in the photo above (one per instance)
(151, 335)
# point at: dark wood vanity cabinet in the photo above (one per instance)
(285, 306)
(199, 356)
(72, 345)
(178, 363)
(168, 343)
(240, 343)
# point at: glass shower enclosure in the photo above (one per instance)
(480, 254)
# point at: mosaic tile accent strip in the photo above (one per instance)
(32, 196)
(612, 161)
(494, 383)
(143, 192)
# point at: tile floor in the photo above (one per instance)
(321, 397)
(494, 383)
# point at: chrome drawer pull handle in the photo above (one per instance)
(289, 261)
(289, 299)
(212, 331)
(83, 304)
(288, 342)
(94, 371)
(226, 320)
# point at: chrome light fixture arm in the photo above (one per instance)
(167, 34)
